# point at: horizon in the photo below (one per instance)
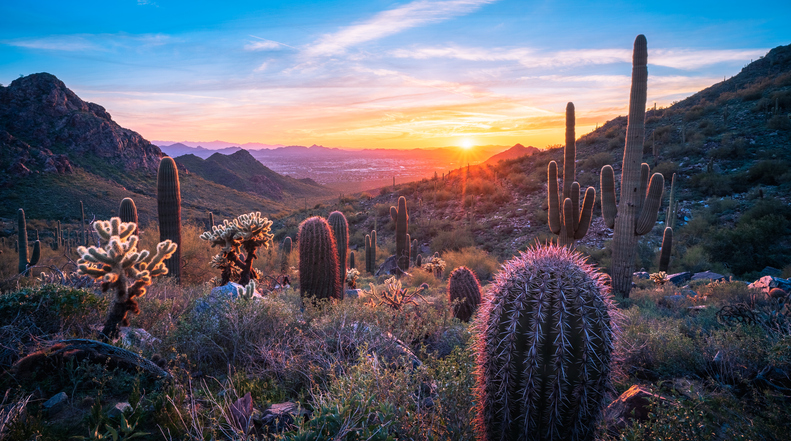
(379, 75)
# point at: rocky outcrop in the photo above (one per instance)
(39, 115)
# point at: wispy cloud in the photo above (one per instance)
(391, 22)
(262, 44)
(89, 42)
(686, 59)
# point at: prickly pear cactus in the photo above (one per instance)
(546, 342)
(464, 293)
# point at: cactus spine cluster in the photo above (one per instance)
(566, 218)
(128, 212)
(640, 200)
(401, 219)
(546, 341)
(318, 260)
(340, 228)
(120, 266)
(667, 248)
(169, 211)
(464, 293)
(284, 255)
(24, 262)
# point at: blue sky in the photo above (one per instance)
(377, 73)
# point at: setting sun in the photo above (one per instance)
(466, 143)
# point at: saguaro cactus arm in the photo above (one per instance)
(650, 205)
(667, 248)
(552, 197)
(609, 208)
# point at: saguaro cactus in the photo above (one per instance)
(408, 251)
(128, 212)
(351, 260)
(120, 266)
(546, 341)
(667, 248)
(373, 251)
(58, 237)
(284, 254)
(413, 250)
(169, 211)
(82, 225)
(464, 292)
(638, 209)
(318, 260)
(402, 226)
(572, 223)
(340, 228)
(368, 253)
(670, 214)
(24, 262)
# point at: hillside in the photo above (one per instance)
(514, 152)
(241, 171)
(57, 150)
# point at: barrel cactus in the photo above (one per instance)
(464, 293)
(318, 260)
(543, 359)
(169, 211)
(340, 228)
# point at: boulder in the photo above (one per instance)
(389, 267)
(281, 417)
(642, 275)
(119, 409)
(771, 271)
(634, 404)
(220, 295)
(56, 403)
(136, 337)
(708, 275)
(679, 278)
(766, 283)
(353, 293)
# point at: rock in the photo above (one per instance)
(777, 293)
(672, 300)
(119, 409)
(389, 267)
(218, 295)
(708, 275)
(642, 275)
(281, 417)
(353, 293)
(56, 403)
(634, 404)
(771, 271)
(136, 337)
(766, 283)
(679, 278)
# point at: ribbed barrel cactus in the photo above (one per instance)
(318, 260)
(122, 267)
(566, 218)
(546, 342)
(464, 292)
(640, 200)
(169, 211)
(239, 240)
(24, 262)
(340, 228)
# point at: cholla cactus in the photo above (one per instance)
(119, 265)
(248, 232)
(247, 292)
(394, 296)
(434, 265)
(351, 278)
(659, 278)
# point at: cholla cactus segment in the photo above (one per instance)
(352, 274)
(659, 278)
(434, 265)
(246, 292)
(546, 340)
(120, 265)
(395, 296)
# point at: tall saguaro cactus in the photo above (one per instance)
(373, 251)
(284, 254)
(128, 212)
(637, 211)
(169, 211)
(340, 228)
(24, 262)
(82, 225)
(402, 226)
(667, 248)
(569, 222)
(546, 342)
(368, 253)
(318, 260)
(670, 216)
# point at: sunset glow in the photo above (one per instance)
(376, 74)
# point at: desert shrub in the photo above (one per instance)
(597, 161)
(772, 172)
(615, 143)
(694, 113)
(666, 169)
(452, 240)
(664, 134)
(478, 261)
(479, 187)
(382, 209)
(614, 132)
(779, 122)
(712, 184)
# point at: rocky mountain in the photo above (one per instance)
(241, 171)
(514, 152)
(179, 149)
(57, 150)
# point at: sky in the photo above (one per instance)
(378, 74)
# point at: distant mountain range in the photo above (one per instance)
(514, 152)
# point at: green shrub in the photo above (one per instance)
(478, 261)
(452, 240)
